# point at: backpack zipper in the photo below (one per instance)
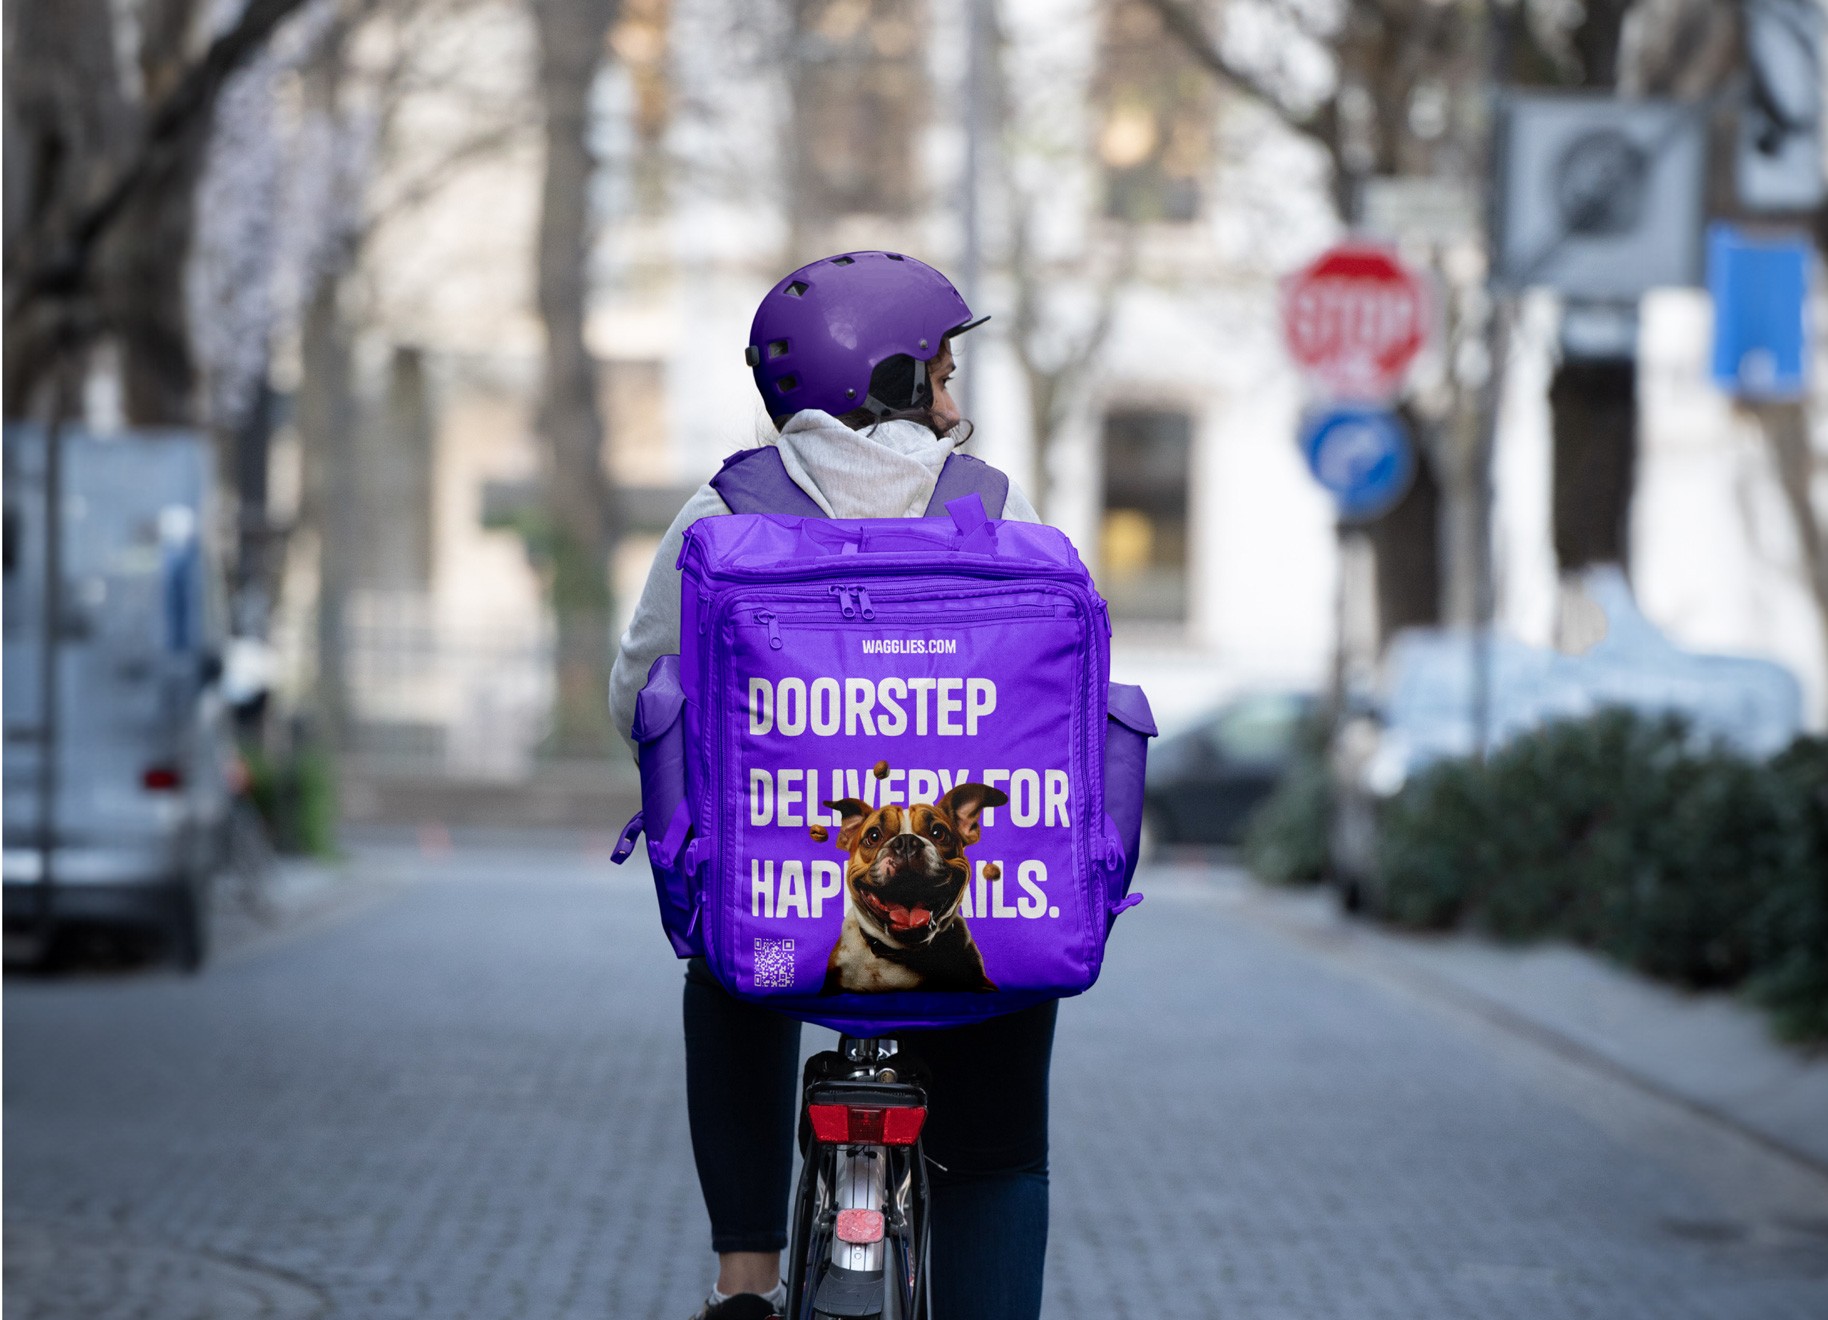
(822, 619)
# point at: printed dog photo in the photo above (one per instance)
(906, 879)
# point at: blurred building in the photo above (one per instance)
(1134, 224)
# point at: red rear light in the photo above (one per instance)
(870, 1127)
(830, 1122)
(901, 1127)
(161, 779)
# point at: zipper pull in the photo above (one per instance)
(863, 595)
(845, 607)
(774, 633)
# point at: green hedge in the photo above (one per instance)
(1285, 839)
(1629, 835)
(297, 798)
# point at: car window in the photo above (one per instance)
(1258, 728)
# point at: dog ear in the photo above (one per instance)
(850, 816)
(966, 802)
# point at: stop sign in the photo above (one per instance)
(1355, 319)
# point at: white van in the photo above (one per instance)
(137, 816)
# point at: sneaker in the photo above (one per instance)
(743, 1306)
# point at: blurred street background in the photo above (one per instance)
(1433, 386)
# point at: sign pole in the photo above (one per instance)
(1497, 347)
(1497, 339)
(49, 645)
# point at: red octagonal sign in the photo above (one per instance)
(1355, 320)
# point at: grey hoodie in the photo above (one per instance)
(886, 471)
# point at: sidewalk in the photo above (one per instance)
(1709, 1052)
(297, 896)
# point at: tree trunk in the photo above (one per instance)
(571, 43)
(1593, 404)
(1407, 545)
(326, 423)
(146, 302)
(1407, 556)
(1593, 407)
(1786, 429)
(66, 123)
(151, 246)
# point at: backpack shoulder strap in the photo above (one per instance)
(964, 475)
(756, 481)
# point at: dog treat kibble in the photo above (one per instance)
(882, 769)
(819, 834)
(992, 871)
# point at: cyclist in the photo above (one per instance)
(986, 1135)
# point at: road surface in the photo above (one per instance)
(458, 1095)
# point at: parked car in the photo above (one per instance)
(139, 808)
(1204, 783)
(1422, 710)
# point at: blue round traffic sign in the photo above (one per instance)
(1363, 456)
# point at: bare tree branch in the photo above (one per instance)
(1055, 384)
(1189, 30)
(429, 181)
(60, 262)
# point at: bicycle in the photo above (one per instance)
(860, 1230)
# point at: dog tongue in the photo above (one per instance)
(902, 918)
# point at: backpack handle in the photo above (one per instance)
(818, 539)
(977, 533)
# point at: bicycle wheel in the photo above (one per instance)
(810, 1240)
(873, 1265)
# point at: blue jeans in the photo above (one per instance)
(986, 1128)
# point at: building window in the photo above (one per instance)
(1155, 136)
(859, 102)
(1143, 541)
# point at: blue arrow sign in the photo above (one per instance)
(1363, 456)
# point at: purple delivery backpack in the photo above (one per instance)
(887, 783)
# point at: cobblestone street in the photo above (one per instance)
(461, 1097)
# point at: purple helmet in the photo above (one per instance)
(822, 331)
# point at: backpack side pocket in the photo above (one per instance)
(1127, 729)
(660, 734)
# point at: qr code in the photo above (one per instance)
(774, 964)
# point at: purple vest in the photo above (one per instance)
(756, 481)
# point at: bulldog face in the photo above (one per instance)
(908, 871)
